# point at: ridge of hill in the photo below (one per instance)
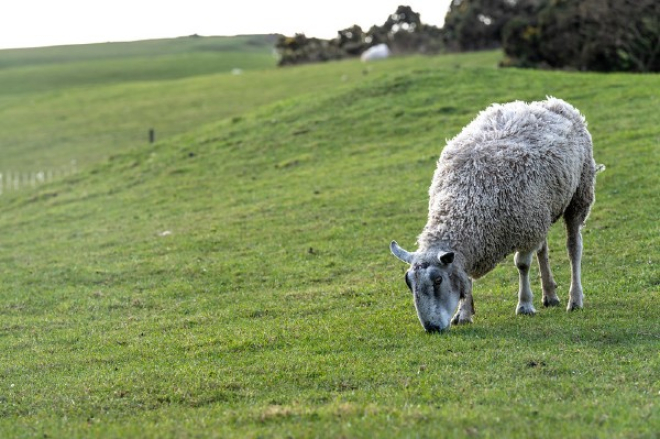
(245, 44)
(27, 71)
(81, 103)
(59, 118)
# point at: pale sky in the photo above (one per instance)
(29, 23)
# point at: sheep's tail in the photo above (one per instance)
(600, 168)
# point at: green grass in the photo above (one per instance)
(87, 123)
(243, 44)
(235, 280)
(82, 103)
(46, 68)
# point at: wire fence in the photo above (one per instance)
(17, 180)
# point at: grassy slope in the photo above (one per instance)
(62, 58)
(81, 103)
(272, 306)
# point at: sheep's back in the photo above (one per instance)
(505, 179)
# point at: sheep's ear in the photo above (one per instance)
(446, 258)
(400, 253)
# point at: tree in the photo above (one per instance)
(404, 19)
(478, 24)
(602, 35)
(352, 40)
(403, 32)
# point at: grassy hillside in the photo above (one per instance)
(44, 68)
(245, 44)
(61, 118)
(235, 280)
(82, 103)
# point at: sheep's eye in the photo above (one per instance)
(438, 281)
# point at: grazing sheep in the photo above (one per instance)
(379, 51)
(498, 187)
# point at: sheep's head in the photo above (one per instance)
(435, 286)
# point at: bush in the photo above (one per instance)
(403, 32)
(601, 35)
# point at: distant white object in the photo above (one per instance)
(379, 51)
(236, 71)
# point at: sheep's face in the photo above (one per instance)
(434, 289)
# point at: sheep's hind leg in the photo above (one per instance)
(574, 245)
(525, 296)
(548, 284)
(574, 217)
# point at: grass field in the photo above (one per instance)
(234, 279)
(83, 103)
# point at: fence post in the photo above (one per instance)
(16, 180)
(152, 135)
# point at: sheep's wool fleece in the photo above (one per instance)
(503, 181)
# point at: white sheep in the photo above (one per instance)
(379, 51)
(498, 187)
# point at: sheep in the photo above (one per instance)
(379, 51)
(498, 187)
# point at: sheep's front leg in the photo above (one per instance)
(464, 313)
(525, 296)
(465, 307)
(548, 283)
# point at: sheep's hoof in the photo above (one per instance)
(551, 301)
(525, 309)
(572, 306)
(458, 320)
